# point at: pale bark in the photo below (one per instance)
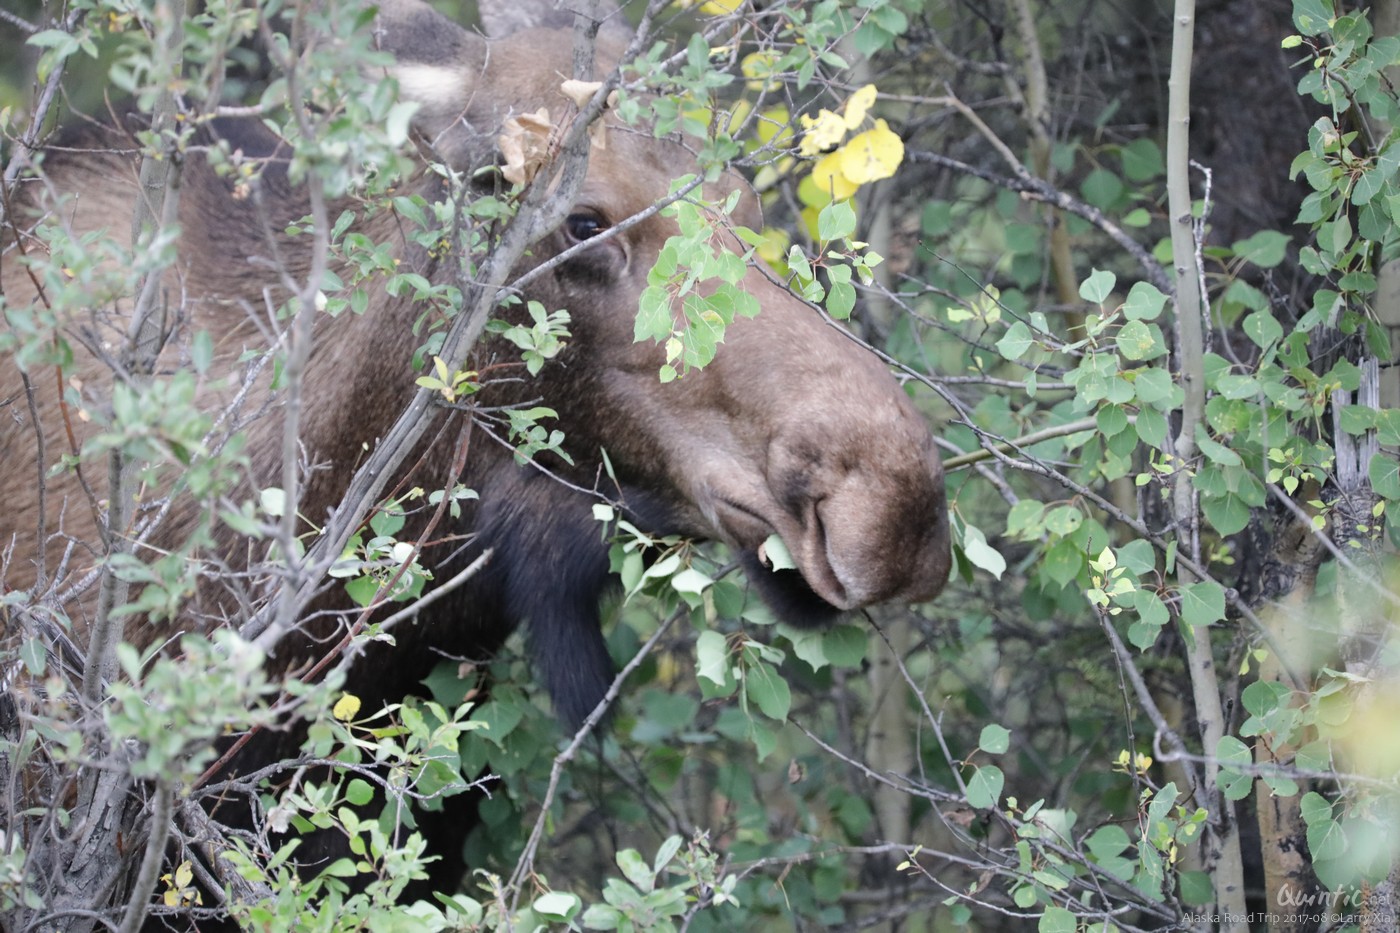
(1221, 841)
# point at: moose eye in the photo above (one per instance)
(582, 227)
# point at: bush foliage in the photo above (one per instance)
(1162, 687)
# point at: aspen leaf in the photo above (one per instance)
(828, 175)
(346, 707)
(872, 155)
(982, 554)
(857, 106)
(774, 554)
(821, 132)
(524, 144)
(580, 92)
(760, 67)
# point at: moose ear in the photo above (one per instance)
(437, 63)
(500, 18)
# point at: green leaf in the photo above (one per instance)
(776, 551)
(1016, 341)
(602, 917)
(840, 300)
(1151, 427)
(1150, 608)
(653, 315)
(636, 869)
(386, 523)
(340, 868)
(1202, 603)
(712, 657)
(767, 690)
(1112, 420)
(982, 554)
(836, 221)
(1144, 303)
(845, 645)
(1025, 519)
(1162, 802)
(1057, 920)
(1231, 751)
(359, 792)
(1314, 807)
(1265, 249)
(1098, 286)
(1063, 561)
(1237, 386)
(362, 590)
(1153, 386)
(1326, 840)
(1228, 513)
(1063, 520)
(1138, 555)
(559, 906)
(1384, 473)
(807, 645)
(1357, 419)
(1102, 188)
(1196, 888)
(665, 853)
(1142, 160)
(1215, 450)
(691, 580)
(995, 739)
(32, 653)
(984, 787)
(1262, 328)
(53, 39)
(1136, 341)
(1107, 842)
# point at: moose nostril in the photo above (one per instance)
(823, 564)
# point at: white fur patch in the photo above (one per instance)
(437, 87)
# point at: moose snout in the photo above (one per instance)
(867, 524)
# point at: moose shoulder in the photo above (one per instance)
(793, 429)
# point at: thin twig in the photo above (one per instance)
(525, 864)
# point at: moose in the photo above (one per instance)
(793, 429)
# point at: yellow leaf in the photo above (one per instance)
(872, 155)
(831, 178)
(774, 248)
(821, 132)
(859, 103)
(737, 116)
(774, 128)
(171, 898)
(184, 874)
(346, 707)
(759, 69)
(720, 7)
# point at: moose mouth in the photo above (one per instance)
(787, 593)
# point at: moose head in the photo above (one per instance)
(794, 428)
